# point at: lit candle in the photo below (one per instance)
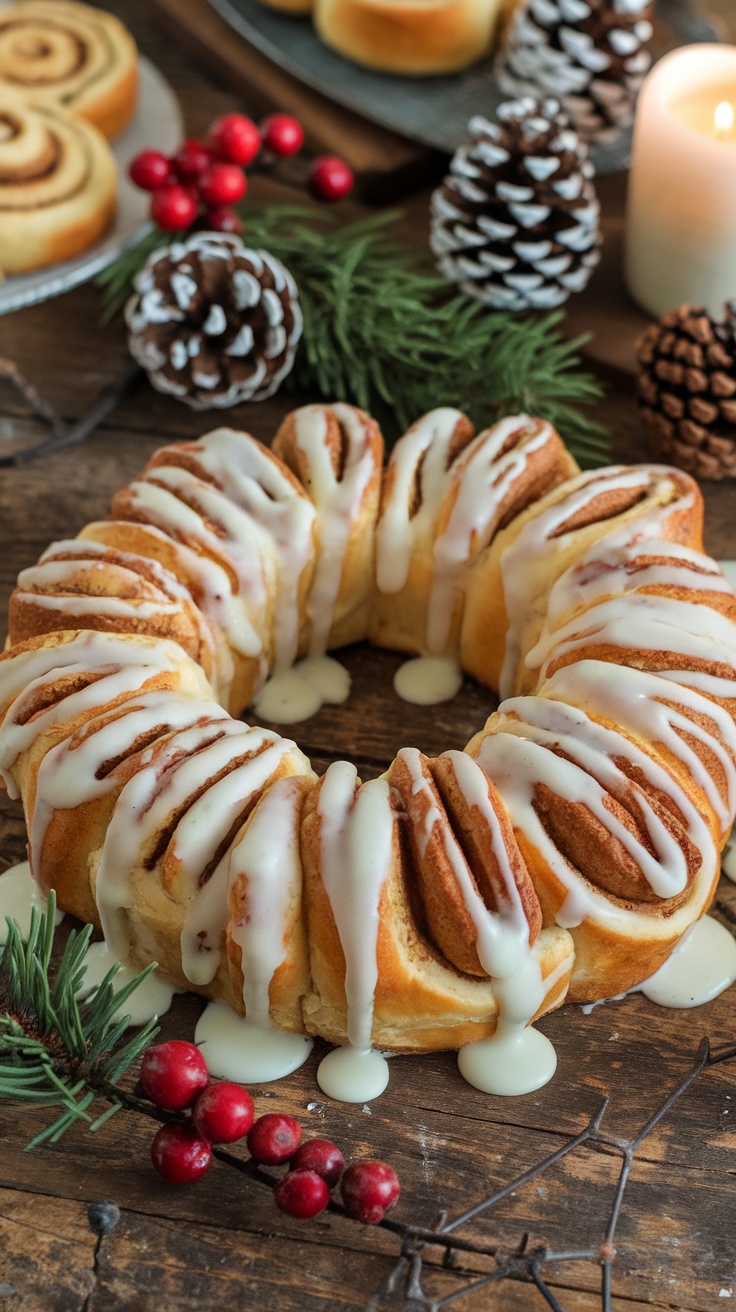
(681, 225)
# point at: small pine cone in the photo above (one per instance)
(591, 54)
(516, 223)
(687, 390)
(213, 322)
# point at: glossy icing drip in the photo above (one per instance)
(337, 498)
(267, 853)
(298, 693)
(502, 937)
(484, 476)
(19, 894)
(525, 564)
(357, 843)
(236, 1049)
(428, 680)
(424, 449)
(240, 762)
(119, 668)
(255, 481)
(701, 966)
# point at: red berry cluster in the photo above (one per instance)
(204, 179)
(174, 1076)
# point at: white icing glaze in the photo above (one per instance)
(19, 894)
(120, 668)
(256, 482)
(152, 998)
(424, 451)
(337, 501)
(524, 565)
(268, 854)
(162, 507)
(428, 680)
(356, 849)
(514, 1061)
(236, 1049)
(520, 757)
(701, 966)
(481, 480)
(634, 700)
(241, 762)
(729, 569)
(353, 1075)
(72, 772)
(357, 836)
(517, 1059)
(502, 937)
(296, 694)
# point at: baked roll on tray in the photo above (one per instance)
(420, 38)
(58, 184)
(63, 55)
(564, 853)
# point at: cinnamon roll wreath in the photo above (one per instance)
(564, 852)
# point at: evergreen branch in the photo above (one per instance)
(55, 1050)
(383, 330)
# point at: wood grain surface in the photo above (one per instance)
(222, 1243)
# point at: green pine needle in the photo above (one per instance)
(383, 330)
(55, 1050)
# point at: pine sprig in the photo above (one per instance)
(53, 1050)
(383, 330)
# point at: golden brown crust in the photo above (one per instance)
(419, 37)
(549, 554)
(349, 457)
(72, 56)
(58, 186)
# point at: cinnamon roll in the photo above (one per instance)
(419, 37)
(58, 184)
(65, 55)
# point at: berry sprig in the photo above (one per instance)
(174, 1077)
(198, 186)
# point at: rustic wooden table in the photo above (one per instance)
(222, 1242)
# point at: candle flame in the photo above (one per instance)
(724, 117)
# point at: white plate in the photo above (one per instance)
(158, 125)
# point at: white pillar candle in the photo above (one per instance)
(681, 225)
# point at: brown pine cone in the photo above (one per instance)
(516, 223)
(687, 390)
(214, 323)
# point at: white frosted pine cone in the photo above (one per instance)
(592, 55)
(214, 323)
(516, 223)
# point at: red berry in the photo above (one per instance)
(302, 1194)
(235, 138)
(173, 1073)
(282, 134)
(368, 1190)
(322, 1156)
(179, 1155)
(330, 178)
(222, 184)
(173, 208)
(220, 219)
(191, 160)
(274, 1138)
(150, 170)
(223, 1113)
